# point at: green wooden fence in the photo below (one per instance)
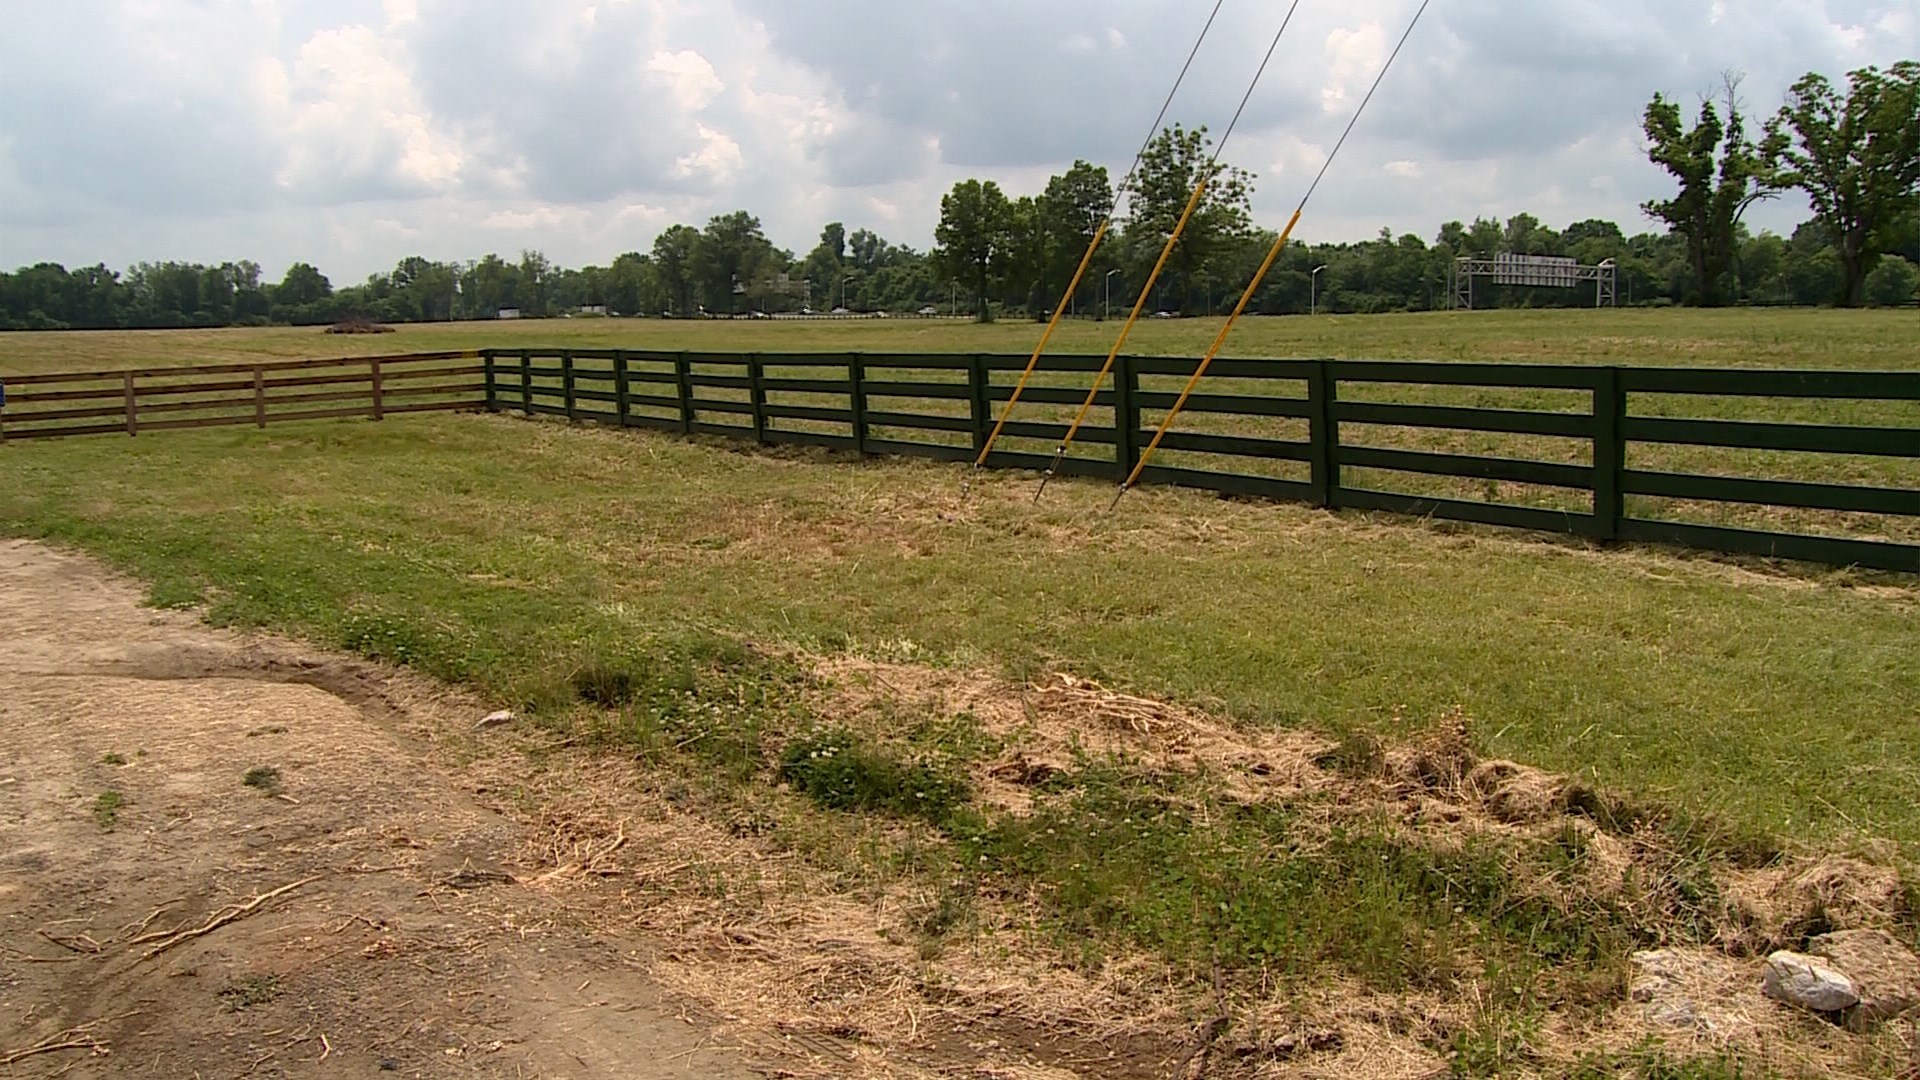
(1281, 435)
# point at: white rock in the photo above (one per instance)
(1808, 983)
(1884, 972)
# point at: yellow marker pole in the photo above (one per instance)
(1033, 362)
(1099, 380)
(1219, 342)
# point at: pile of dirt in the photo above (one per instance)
(359, 324)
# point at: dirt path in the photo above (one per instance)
(133, 940)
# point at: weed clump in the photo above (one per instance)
(248, 991)
(106, 809)
(263, 778)
(839, 772)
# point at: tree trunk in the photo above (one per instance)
(1702, 284)
(1853, 270)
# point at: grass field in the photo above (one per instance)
(1862, 340)
(548, 565)
(512, 551)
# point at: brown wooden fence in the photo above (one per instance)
(209, 395)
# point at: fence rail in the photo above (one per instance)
(144, 400)
(1296, 435)
(1602, 452)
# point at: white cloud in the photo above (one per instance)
(689, 76)
(718, 157)
(350, 122)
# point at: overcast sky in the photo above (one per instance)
(352, 133)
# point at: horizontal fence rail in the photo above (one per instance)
(143, 400)
(1295, 430)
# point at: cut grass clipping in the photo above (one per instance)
(264, 779)
(249, 990)
(106, 809)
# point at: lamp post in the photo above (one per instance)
(1107, 313)
(1313, 290)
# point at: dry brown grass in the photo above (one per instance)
(757, 921)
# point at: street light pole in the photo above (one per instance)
(1313, 293)
(1108, 312)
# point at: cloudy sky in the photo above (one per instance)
(354, 132)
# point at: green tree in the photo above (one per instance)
(1071, 210)
(732, 255)
(1893, 283)
(535, 284)
(826, 264)
(634, 286)
(973, 237)
(673, 262)
(1169, 170)
(1858, 160)
(1721, 173)
(302, 285)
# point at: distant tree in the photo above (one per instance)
(1721, 173)
(826, 264)
(1169, 171)
(973, 237)
(302, 285)
(1893, 283)
(634, 286)
(730, 257)
(1070, 211)
(673, 262)
(1858, 160)
(535, 286)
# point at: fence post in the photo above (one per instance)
(981, 398)
(757, 397)
(1126, 416)
(492, 389)
(379, 406)
(1609, 453)
(857, 375)
(566, 381)
(526, 382)
(1323, 434)
(620, 385)
(259, 396)
(126, 382)
(683, 374)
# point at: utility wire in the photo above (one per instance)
(1099, 234)
(1260, 275)
(1166, 252)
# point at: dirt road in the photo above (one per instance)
(225, 857)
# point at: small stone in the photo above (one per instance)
(495, 719)
(1808, 983)
(1659, 983)
(1884, 972)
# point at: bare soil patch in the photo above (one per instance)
(160, 916)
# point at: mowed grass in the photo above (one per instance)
(510, 554)
(1808, 338)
